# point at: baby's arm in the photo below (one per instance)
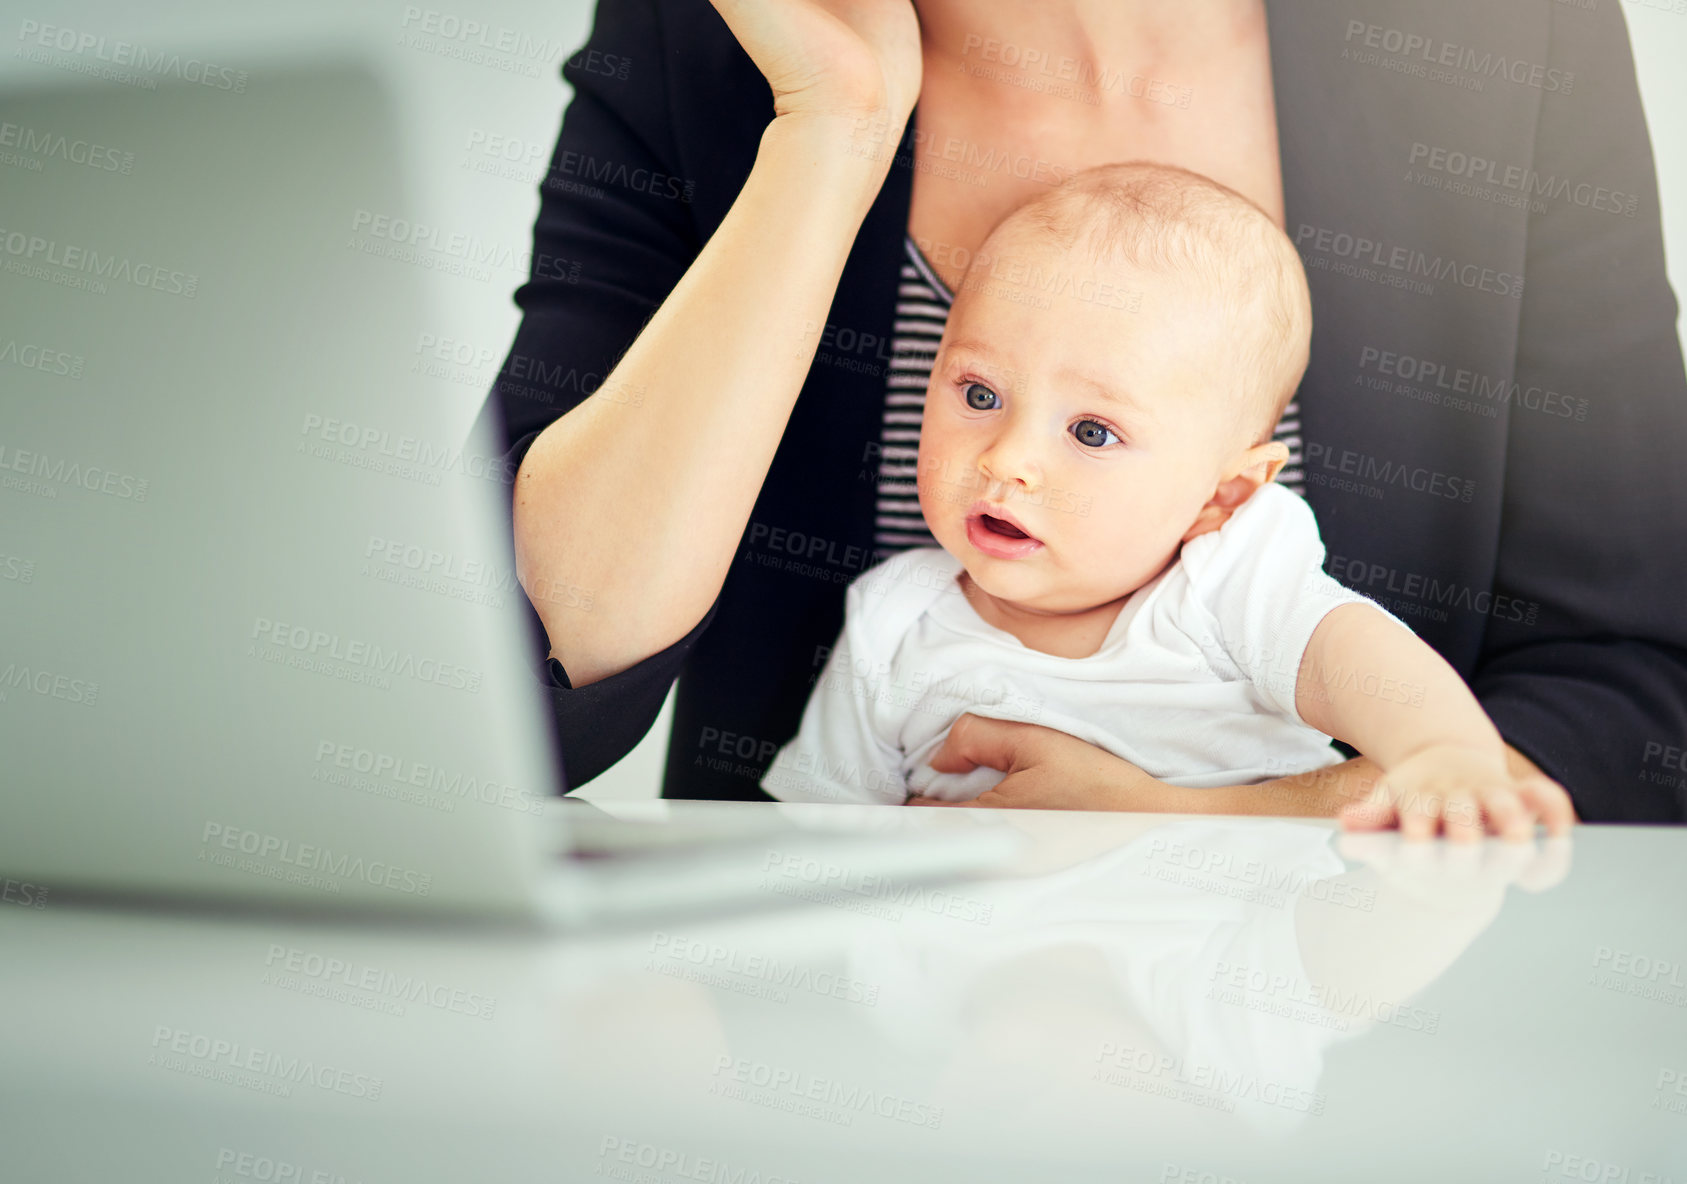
(1369, 682)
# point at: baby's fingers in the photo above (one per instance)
(1420, 814)
(1549, 802)
(1507, 814)
(1461, 814)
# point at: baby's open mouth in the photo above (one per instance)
(998, 526)
(998, 535)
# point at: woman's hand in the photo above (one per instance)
(833, 57)
(1047, 770)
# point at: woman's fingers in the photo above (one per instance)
(831, 56)
(974, 740)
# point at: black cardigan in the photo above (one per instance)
(1495, 416)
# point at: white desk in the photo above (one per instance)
(1143, 1000)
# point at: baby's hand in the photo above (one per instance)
(1461, 791)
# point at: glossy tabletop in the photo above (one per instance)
(1136, 999)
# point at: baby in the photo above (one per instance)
(1116, 561)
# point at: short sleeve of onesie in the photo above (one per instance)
(1261, 582)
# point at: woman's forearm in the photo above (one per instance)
(1318, 793)
(643, 500)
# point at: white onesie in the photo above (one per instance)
(1194, 683)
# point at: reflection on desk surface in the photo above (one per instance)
(1140, 999)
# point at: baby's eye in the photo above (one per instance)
(980, 397)
(1092, 434)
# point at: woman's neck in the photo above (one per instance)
(1087, 32)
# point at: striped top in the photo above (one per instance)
(922, 310)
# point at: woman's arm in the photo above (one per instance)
(643, 500)
(1595, 685)
(1050, 770)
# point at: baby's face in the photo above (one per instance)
(1096, 431)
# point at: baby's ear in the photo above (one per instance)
(1255, 467)
(1269, 459)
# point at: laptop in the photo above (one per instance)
(260, 636)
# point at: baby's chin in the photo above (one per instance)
(1034, 589)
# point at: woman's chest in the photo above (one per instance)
(973, 165)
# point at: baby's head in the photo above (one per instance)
(1113, 369)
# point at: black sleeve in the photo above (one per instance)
(615, 233)
(1592, 683)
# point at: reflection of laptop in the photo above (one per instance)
(259, 635)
